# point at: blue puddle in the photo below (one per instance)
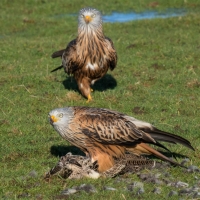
(125, 17)
(130, 16)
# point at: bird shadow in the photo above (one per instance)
(61, 150)
(106, 82)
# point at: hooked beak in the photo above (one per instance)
(87, 19)
(53, 119)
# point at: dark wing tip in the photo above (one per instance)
(58, 53)
(169, 137)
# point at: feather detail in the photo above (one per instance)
(169, 137)
(58, 53)
(75, 166)
(146, 148)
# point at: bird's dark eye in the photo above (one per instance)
(82, 15)
(60, 115)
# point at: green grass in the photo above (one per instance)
(158, 71)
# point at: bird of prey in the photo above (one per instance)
(76, 167)
(90, 55)
(105, 135)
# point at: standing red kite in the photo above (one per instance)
(90, 55)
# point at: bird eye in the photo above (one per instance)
(93, 15)
(60, 115)
(82, 15)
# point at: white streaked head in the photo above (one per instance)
(60, 116)
(89, 18)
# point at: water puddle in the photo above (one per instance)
(130, 16)
(125, 17)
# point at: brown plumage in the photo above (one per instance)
(76, 167)
(105, 135)
(90, 55)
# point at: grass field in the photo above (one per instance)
(157, 79)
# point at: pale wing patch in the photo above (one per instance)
(139, 124)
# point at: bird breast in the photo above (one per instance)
(91, 66)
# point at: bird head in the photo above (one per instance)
(89, 17)
(60, 116)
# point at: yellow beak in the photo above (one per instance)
(53, 118)
(87, 19)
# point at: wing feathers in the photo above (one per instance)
(110, 127)
(58, 53)
(169, 137)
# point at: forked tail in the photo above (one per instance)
(149, 149)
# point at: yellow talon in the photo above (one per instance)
(89, 98)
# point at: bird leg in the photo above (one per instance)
(89, 98)
(84, 87)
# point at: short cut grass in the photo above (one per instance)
(156, 80)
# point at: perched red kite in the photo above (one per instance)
(105, 135)
(90, 55)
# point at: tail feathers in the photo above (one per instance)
(158, 144)
(169, 137)
(58, 53)
(150, 150)
(57, 68)
(161, 145)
